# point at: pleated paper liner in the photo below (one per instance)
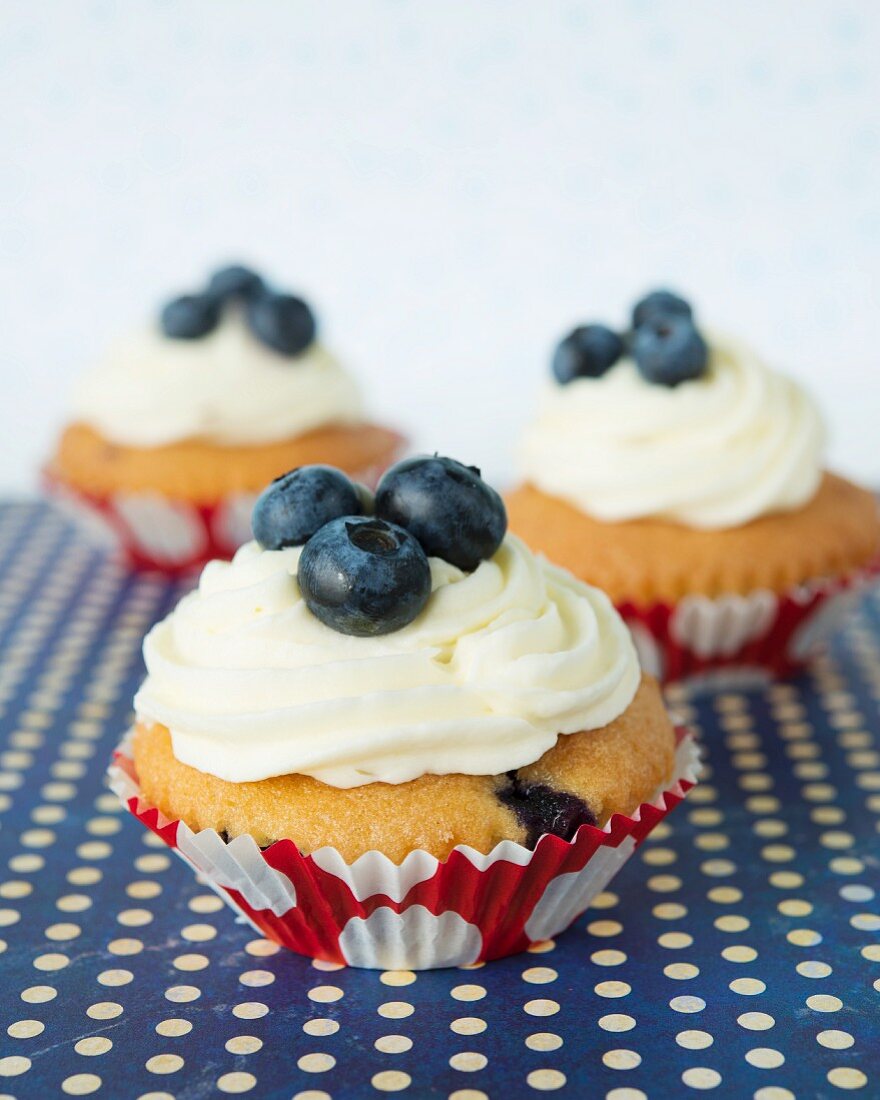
(742, 639)
(421, 913)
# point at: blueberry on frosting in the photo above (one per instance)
(299, 503)
(282, 321)
(235, 281)
(453, 513)
(669, 350)
(362, 576)
(190, 317)
(660, 303)
(587, 352)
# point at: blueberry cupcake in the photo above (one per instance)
(675, 470)
(393, 735)
(177, 430)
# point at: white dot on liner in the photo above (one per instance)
(316, 1063)
(813, 968)
(541, 1007)
(250, 1010)
(617, 1022)
(180, 994)
(687, 1004)
(822, 1002)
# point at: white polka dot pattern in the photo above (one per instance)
(733, 956)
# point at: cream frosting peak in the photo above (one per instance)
(500, 662)
(226, 387)
(740, 442)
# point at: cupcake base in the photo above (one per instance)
(750, 602)
(178, 509)
(420, 913)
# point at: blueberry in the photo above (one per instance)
(669, 350)
(660, 302)
(290, 510)
(587, 352)
(362, 576)
(282, 321)
(235, 281)
(541, 809)
(189, 317)
(453, 513)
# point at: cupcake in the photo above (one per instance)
(679, 473)
(177, 430)
(391, 734)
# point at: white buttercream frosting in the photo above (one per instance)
(226, 388)
(500, 662)
(740, 442)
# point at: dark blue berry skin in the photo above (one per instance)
(453, 513)
(281, 321)
(587, 352)
(362, 576)
(660, 303)
(189, 317)
(235, 281)
(541, 809)
(669, 350)
(297, 504)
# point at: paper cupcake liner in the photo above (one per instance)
(155, 531)
(421, 913)
(736, 639)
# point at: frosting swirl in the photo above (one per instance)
(227, 388)
(500, 662)
(740, 442)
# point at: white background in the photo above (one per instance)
(452, 183)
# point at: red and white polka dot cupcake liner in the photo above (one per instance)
(154, 531)
(421, 913)
(736, 639)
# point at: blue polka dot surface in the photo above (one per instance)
(737, 953)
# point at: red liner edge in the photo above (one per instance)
(467, 908)
(764, 633)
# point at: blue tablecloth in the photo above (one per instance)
(737, 953)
